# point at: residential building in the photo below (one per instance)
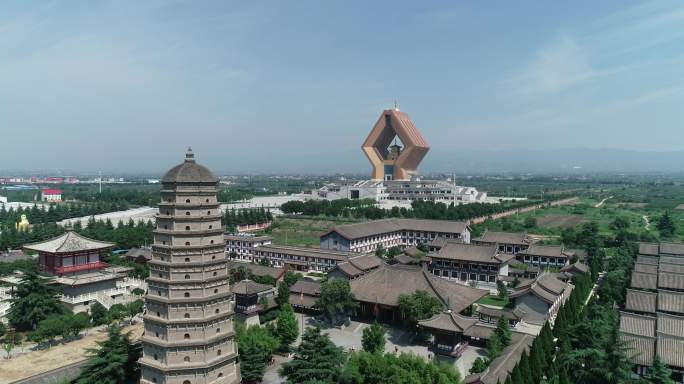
(546, 256)
(189, 330)
(507, 242)
(241, 246)
(368, 236)
(300, 258)
(51, 195)
(540, 299)
(467, 263)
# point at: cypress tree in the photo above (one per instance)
(524, 365)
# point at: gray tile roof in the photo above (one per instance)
(641, 301)
(648, 249)
(671, 301)
(641, 259)
(249, 287)
(307, 287)
(448, 321)
(546, 251)
(546, 286)
(644, 280)
(517, 238)
(672, 248)
(385, 284)
(645, 268)
(641, 325)
(671, 324)
(640, 349)
(468, 252)
(671, 349)
(672, 259)
(671, 268)
(670, 280)
(258, 270)
(189, 172)
(70, 241)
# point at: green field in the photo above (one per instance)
(303, 232)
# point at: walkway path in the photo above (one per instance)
(599, 204)
(647, 223)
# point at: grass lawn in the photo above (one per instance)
(494, 301)
(303, 232)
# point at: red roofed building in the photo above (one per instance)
(51, 195)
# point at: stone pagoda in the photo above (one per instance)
(189, 333)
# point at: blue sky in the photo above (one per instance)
(127, 85)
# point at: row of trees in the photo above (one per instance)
(232, 218)
(366, 209)
(56, 212)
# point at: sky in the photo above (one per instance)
(129, 85)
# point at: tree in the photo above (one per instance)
(380, 251)
(286, 327)
(98, 314)
(493, 347)
(3, 329)
(133, 308)
(373, 339)
(76, 323)
(377, 368)
(316, 360)
(666, 226)
(291, 278)
(49, 329)
(114, 362)
(502, 290)
(138, 291)
(530, 222)
(255, 345)
(283, 293)
(33, 301)
(658, 373)
(503, 332)
(117, 312)
(336, 299)
(479, 365)
(418, 306)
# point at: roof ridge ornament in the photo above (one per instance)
(189, 156)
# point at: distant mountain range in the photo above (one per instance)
(571, 160)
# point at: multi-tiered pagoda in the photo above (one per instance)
(189, 333)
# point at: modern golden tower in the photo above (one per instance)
(189, 330)
(391, 162)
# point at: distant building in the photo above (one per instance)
(402, 233)
(301, 259)
(138, 255)
(51, 195)
(259, 270)
(356, 266)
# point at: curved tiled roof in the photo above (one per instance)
(385, 284)
(189, 172)
(68, 242)
(249, 287)
(641, 301)
(448, 321)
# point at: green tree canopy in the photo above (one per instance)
(286, 327)
(366, 367)
(255, 345)
(113, 362)
(33, 301)
(316, 360)
(336, 300)
(373, 339)
(418, 306)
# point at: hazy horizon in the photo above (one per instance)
(127, 86)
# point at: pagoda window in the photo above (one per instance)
(208, 212)
(67, 261)
(187, 243)
(186, 382)
(187, 227)
(187, 277)
(207, 200)
(186, 336)
(186, 359)
(186, 294)
(215, 290)
(187, 213)
(187, 316)
(218, 353)
(187, 259)
(216, 311)
(187, 200)
(210, 226)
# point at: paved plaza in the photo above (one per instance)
(349, 338)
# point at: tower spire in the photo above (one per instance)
(189, 156)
